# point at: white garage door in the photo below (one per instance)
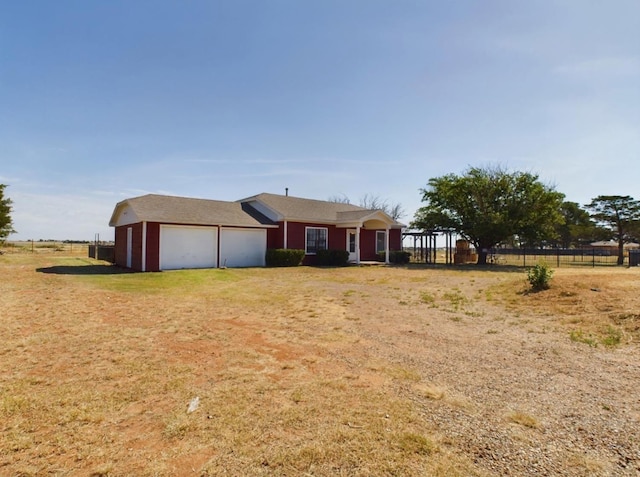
(243, 247)
(188, 247)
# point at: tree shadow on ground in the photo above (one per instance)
(83, 270)
(468, 267)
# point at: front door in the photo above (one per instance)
(351, 245)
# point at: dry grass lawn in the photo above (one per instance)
(326, 372)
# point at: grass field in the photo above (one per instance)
(315, 371)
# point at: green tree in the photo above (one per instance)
(634, 232)
(6, 224)
(620, 214)
(490, 205)
(577, 228)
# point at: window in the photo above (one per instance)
(381, 241)
(316, 240)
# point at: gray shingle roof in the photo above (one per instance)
(184, 210)
(190, 211)
(353, 215)
(311, 210)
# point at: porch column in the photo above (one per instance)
(386, 245)
(286, 232)
(358, 245)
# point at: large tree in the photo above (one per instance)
(620, 214)
(6, 224)
(577, 228)
(490, 205)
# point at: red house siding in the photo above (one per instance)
(274, 237)
(395, 239)
(368, 245)
(153, 247)
(136, 246)
(296, 235)
(120, 250)
(337, 239)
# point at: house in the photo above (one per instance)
(158, 232)
(610, 247)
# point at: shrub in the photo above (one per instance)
(613, 337)
(396, 256)
(580, 337)
(333, 258)
(539, 277)
(281, 257)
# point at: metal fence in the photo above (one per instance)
(102, 252)
(590, 257)
(525, 257)
(48, 246)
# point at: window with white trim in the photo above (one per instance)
(381, 241)
(316, 239)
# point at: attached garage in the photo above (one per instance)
(243, 247)
(188, 247)
(155, 232)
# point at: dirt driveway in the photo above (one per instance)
(354, 371)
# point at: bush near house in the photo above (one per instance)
(280, 257)
(332, 258)
(396, 256)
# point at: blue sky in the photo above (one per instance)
(100, 101)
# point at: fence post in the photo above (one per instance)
(593, 260)
(558, 252)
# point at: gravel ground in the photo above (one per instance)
(510, 389)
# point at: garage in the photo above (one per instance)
(243, 247)
(156, 232)
(188, 247)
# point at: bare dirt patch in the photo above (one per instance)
(355, 371)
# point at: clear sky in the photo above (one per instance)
(105, 100)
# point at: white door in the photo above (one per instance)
(188, 247)
(129, 245)
(243, 247)
(351, 245)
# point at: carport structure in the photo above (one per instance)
(424, 247)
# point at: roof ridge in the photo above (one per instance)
(309, 200)
(181, 197)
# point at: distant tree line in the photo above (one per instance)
(491, 206)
